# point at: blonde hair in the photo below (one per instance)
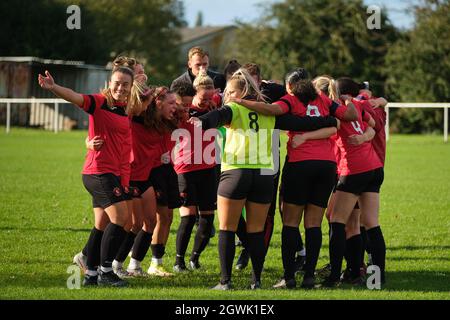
(327, 85)
(107, 91)
(245, 82)
(203, 81)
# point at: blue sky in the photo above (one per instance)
(223, 12)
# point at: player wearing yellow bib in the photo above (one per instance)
(247, 170)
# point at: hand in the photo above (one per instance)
(298, 140)
(356, 139)
(94, 144)
(235, 100)
(338, 125)
(195, 101)
(47, 82)
(195, 121)
(165, 157)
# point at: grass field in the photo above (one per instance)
(45, 218)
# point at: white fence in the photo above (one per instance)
(57, 119)
(440, 105)
(40, 112)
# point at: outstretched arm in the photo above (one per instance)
(67, 94)
(260, 107)
(213, 119)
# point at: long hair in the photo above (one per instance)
(327, 85)
(245, 82)
(152, 119)
(107, 92)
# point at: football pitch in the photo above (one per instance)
(46, 217)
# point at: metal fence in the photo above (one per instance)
(42, 115)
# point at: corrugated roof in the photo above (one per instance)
(40, 60)
(79, 64)
(191, 34)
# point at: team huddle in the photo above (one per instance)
(211, 142)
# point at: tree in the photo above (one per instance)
(199, 20)
(326, 37)
(418, 67)
(147, 30)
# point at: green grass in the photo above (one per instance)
(46, 216)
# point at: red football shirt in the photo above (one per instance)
(113, 127)
(320, 149)
(379, 141)
(196, 148)
(146, 149)
(356, 159)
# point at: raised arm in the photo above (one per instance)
(293, 123)
(260, 107)
(48, 83)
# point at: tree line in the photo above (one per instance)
(326, 37)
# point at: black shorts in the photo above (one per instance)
(138, 188)
(250, 184)
(356, 207)
(105, 189)
(199, 188)
(369, 181)
(310, 181)
(165, 182)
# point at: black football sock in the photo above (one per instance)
(363, 244)
(158, 250)
(257, 252)
(288, 248)
(202, 235)
(141, 245)
(313, 239)
(93, 249)
(227, 250)
(126, 246)
(337, 249)
(183, 237)
(268, 232)
(353, 252)
(378, 249)
(111, 241)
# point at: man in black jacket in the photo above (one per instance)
(198, 60)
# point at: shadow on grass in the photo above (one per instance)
(396, 281)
